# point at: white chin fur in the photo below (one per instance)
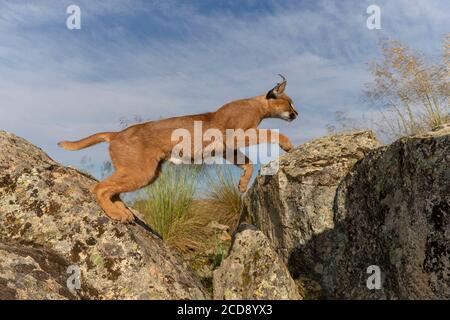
(285, 116)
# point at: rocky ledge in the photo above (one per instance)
(49, 221)
(343, 211)
(344, 217)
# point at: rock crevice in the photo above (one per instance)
(351, 204)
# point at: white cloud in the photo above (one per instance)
(60, 84)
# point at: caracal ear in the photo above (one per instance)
(281, 86)
(278, 89)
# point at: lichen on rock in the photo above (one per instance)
(46, 205)
(253, 270)
(341, 204)
(393, 211)
(296, 204)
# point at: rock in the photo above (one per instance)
(31, 273)
(45, 205)
(296, 204)
(218, 231)
(393, 211)
(253, 270)
(206, 260)
(336, 220)
(310, 289)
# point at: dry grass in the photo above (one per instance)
(167, 206)
(195, 227)
(223, 198)
(413, 92)
(170, 207)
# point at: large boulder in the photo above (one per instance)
(44, 205)
(32, 273)
(253, 270)
(347, 213)
(296, 204)
(393, 211)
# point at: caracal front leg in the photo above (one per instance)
(242, 161)
(285, 143)
(266, 136)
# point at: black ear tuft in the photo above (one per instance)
(271, 95)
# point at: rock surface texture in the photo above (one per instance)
(47, 210)
(331, 215)
(339, 209)
(393, 211)
(296, 204)
(253, 270)
(30, 273)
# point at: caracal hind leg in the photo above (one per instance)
(118, 202)
(124, 180)
(103, 192)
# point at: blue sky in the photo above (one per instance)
(159, 59)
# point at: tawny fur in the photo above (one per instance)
(138, 152)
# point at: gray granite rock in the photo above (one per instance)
(253, 270)
(393, 211)
(296, 204)
(46, 205)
